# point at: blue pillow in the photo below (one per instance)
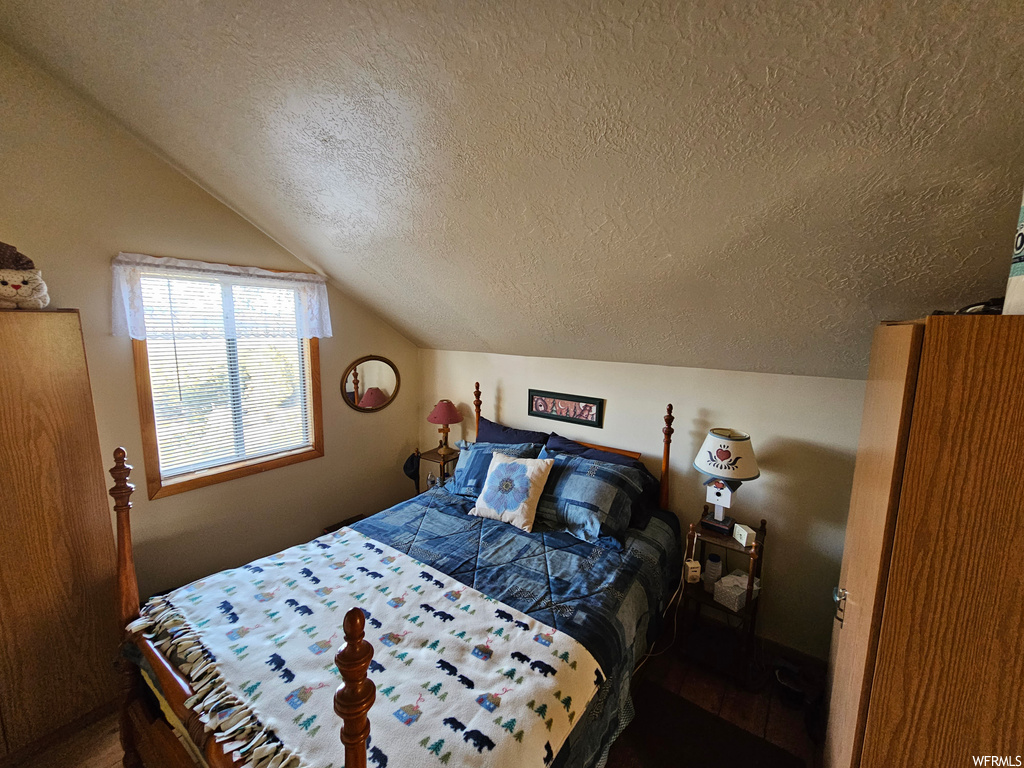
(652, 486)
(588, 498)
(475, 460)
(493, 432)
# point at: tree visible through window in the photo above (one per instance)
(219, 400)
(232, 385)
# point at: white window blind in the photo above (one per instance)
(228, 367)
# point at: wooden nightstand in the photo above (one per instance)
(695, 593)
(441, 461)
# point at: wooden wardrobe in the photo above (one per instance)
(927, 664)
(58, 636)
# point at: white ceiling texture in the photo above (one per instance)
(743, 184)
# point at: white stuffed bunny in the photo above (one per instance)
(21, 284)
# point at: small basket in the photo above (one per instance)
(731, 590)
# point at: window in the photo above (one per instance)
(227, 367)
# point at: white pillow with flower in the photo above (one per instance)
(512, 490)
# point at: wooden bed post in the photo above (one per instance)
(476, 407)
(356, 695)
(127, 600)
(355, 386)
(669, 418)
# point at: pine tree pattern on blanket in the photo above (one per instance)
(462, 679)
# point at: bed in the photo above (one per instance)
(467, 641)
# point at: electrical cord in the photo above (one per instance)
(675, 626)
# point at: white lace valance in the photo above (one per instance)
(202, 300)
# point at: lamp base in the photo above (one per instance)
(723, 526)
(443, 450)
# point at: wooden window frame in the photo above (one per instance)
(158, 488)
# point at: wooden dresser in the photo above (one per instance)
(927, 666)
(58, 635)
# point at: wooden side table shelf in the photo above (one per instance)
(442, 461)
(747, 615)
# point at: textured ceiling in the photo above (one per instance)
(745, 185)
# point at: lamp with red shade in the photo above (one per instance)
(444, 413)
(374, 397)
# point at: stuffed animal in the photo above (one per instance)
(21, 284)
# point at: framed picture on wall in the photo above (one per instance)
(575, 409)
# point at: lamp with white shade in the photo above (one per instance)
(727, 457)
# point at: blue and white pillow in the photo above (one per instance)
(512, 490)
(652, 486)
(588, 498)
(475, 461)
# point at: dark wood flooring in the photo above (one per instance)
(763, 713)
(95, 746)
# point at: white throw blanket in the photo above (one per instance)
(462, 679)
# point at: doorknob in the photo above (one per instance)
(839, 596)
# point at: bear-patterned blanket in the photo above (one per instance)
(462, 679)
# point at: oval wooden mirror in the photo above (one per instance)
(370, 384)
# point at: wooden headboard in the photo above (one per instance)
(665, 451)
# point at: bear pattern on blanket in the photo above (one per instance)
(463, 684)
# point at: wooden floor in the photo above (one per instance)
(96, 746)
(762, 713)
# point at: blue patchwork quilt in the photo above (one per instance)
(606, 596)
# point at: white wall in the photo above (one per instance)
(75, 189)
(804, 431)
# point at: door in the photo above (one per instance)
(877, 477)
(950, 665)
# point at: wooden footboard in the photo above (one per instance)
(144, 735)
(356, 695)
(142, 732)
(127, 603)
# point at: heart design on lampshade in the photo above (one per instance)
(726, 454)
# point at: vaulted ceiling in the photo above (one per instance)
(744, 184)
